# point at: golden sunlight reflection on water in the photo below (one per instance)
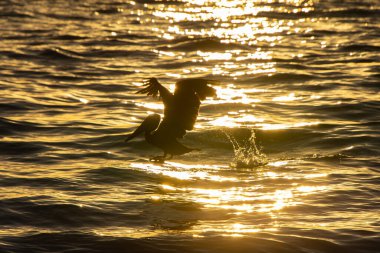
(184, 172)
(235, 25)
(245, 193)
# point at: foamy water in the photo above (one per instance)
(298, 170)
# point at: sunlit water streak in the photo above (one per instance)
(302, 76)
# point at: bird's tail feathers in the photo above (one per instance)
(148, 125)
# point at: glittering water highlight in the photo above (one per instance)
(304, 75)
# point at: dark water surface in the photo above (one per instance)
(302, 75)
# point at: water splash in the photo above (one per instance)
(247, 154)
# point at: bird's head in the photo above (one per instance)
(205, 91)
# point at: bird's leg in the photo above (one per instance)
(166, 157)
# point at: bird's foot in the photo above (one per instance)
(157, 159)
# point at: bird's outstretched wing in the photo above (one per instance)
(181, 112)
(197, 85)
(154, 88)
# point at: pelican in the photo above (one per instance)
(180, 113)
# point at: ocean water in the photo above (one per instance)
(302, 77)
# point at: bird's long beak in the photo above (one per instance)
(136, 133)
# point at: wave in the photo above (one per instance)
(44, 103)
(112, 175)
(69, 17)
(40, 182)
(20, 148)
(327, 157)
(52, 54)
(172, 65)
(8, 127)
(17, 106)
(84, 156)
(15, 54)
(203, 45)
(133, 37)
(29, 212)
(60, 54)
(362, 146)
(337, 13)
(110, 41)
(69, 37)
(106, 87)
(360, 110)
(167, 2)
(282, 78)
(16, 14)
(102, 53)
(109, 11)
(261, 242)
(70, 55)
(374, 85)
(348, 13)
(360, 48)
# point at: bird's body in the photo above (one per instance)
(180, 113)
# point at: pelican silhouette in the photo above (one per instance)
(180, 113)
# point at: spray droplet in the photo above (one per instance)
(247, 154)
